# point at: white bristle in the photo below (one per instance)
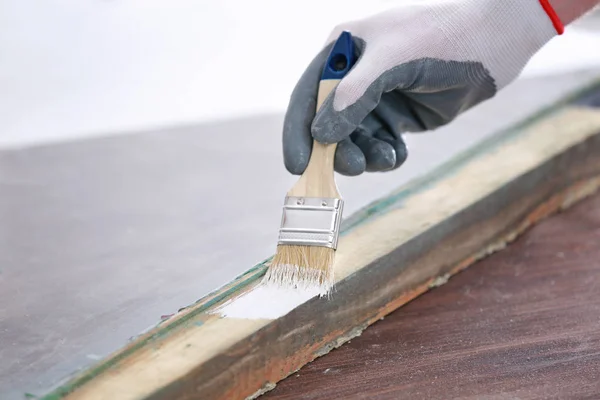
(302, 267)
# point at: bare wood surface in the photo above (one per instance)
(432, 229)
(318, 180)
(521, 324)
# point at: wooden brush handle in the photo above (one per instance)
(318, 179)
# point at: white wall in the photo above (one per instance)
(70, 68)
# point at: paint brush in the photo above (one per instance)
(312, 210)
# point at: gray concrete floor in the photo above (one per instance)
(100, 237)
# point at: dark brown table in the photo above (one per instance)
(522, 324)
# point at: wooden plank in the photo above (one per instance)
(240, 340)
(521, 324)
(124, 226)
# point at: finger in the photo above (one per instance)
(396, 118)
(379, 155)
(397, 113)
(396, 142)
(349, 159)
(297, 138)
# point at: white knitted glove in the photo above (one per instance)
(419, 66)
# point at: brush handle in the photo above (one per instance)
(318, 179)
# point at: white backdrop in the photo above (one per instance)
(72, 68)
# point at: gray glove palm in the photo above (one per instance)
(419, 67)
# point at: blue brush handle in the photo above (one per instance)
(341, 58)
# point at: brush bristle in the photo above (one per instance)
(302, 267)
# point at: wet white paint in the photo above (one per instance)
(265, 302)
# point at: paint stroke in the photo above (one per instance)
(265, 302)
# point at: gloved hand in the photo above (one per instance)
(419, 67)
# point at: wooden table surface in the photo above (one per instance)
(99, 238)
(523, 323)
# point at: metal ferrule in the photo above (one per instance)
(311, 221)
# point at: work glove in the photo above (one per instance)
(419, 66)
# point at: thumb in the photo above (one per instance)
(349, 104)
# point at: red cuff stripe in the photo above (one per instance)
(558, 25)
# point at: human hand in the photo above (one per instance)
(419, 67)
